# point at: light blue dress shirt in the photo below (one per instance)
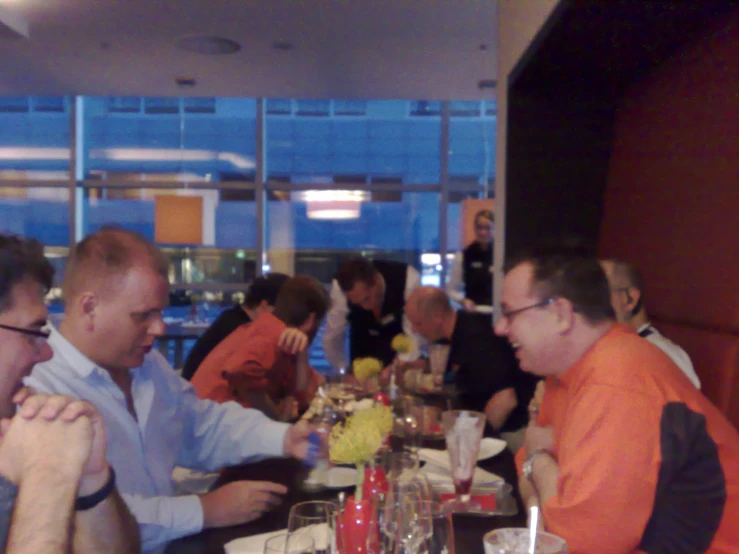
(173, 427)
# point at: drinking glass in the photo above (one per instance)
(284, 543)
(438, 357)
(412, 423)
(439, 536)
(402, 524)
(463, 433)
(515, 540)
(316, 520)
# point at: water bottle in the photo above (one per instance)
(319, 474)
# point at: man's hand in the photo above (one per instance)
(296, 440)
(292, 341)
(64, 408)
(240, 502)
(539, 438)
(37, 444)
(468, 305)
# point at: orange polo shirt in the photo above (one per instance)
(646, 462)
(250, 353)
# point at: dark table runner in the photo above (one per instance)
(468, 529)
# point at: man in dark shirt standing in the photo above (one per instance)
(486, 373)
(368, 299)
(260, 298)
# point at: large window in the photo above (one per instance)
(291, 185)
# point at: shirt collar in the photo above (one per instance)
(76, 360)
(583, 365)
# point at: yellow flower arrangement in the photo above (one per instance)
(401, 343)
(359, 439)
(364, 368)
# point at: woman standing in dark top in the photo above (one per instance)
(471, 277)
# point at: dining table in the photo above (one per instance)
(469, 529)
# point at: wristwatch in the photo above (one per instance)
(528, 463)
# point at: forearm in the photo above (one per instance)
(42, 518)
(545, 474)
(108, 527)
(500, 406)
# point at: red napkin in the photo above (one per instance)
(486, 501)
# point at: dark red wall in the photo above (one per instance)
(672, 196)
(672, 201)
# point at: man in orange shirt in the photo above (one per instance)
(626, 455)
(252, 367)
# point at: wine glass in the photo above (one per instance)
(285, 543)
(316, 520)
(516, 540)
(463, 433)
(402, 523)
(439, 533)
(412, 422)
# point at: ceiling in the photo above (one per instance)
(416, 49)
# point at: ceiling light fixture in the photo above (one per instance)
(208, 45)
(332, 204)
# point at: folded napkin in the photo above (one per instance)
(250, 545)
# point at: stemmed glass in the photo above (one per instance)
(401, 520)
(439, 536)
(463, 433)
(515, 540)
(285, 543)
(316, 520)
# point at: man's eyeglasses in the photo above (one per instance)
(36, 336)
(510, 313)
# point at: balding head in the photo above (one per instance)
(101, 260)
(429, 311)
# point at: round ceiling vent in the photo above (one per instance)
(208, 45)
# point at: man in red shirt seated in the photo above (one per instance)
(253, 366)
(626, 454)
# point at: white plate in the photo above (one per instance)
(490, 447)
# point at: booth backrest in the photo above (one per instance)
(715, 356)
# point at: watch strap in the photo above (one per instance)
(91, 500)
(528, 463)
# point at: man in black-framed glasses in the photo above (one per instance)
(621, 440)
(53, 469)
